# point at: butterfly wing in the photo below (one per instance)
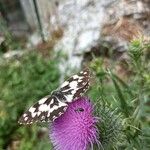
(76, 85)
(52, 106)
(46, 109)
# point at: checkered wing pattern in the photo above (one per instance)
(52, 106)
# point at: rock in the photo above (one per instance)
(81, 22)
(125, 20)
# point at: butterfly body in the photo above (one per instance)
(59, 95)
(54, 105)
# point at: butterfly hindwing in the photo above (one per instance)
(46, 109)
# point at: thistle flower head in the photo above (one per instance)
(76, 128)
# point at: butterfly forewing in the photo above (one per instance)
(52, 106)
(76, 85)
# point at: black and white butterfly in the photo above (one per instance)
(54, 105)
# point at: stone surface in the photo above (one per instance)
(125, 20)
(81, 22)
(78, 27)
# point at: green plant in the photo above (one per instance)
(131, 97)
(122, 103)
(23, 82)
(9, 42)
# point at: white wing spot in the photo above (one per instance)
(48, 114)
(84, 83)
(43, 117)
(24, 115)
(64, 109)
(69, 98)
(65, 84)
(52, 101)
(38, 113)
(84, 90)
(74, 91)
(42, 100)
(32, 109)
(26, 118)
(33, 114)
(85, 72)
(75, 77)
(73, 84)
(43, 107)
(80, 80)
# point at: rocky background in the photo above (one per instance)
(82, 28)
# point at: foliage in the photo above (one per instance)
(122, 103)
(130, 97)
(9, 42)
(23, 82)
(109, 125)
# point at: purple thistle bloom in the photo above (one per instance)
(76, 128)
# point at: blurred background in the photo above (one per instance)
(44, 42)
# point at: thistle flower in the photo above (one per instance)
(76, 128)
(79, 127)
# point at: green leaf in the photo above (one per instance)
(123, 104)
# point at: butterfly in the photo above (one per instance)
(54, 105)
